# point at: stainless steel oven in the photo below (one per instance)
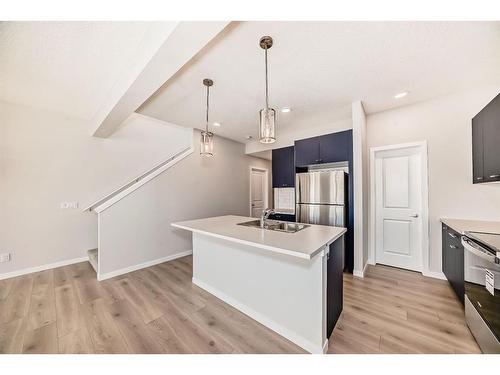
(482, 288)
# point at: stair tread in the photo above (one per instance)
(92, 253)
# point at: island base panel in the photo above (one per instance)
(286, 294)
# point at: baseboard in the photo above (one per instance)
(434, 274)
(139, 266)
(49, 266)
(269, 323)
(325, 346)
(359, 273)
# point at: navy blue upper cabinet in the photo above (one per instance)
(327, 148)
(307, 151)
(283, 167)
(335, 147)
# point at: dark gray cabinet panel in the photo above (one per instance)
(477, 150)
(490, 118)
(486, 143)
(453, 260)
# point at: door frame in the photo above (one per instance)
(266, 187)
(425, 202)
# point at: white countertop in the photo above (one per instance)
(461, 225)
(304, 244)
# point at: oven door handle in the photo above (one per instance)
(484, 254)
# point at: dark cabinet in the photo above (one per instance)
(327, 148)
(282, 217)
(335, 147)
(283, 167)
(477, 150)
(453, 260)
(334, 284)
(307, 151)
(485, 143)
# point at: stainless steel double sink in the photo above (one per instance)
(279, 226)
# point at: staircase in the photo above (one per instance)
(93, 258)
(122, 192)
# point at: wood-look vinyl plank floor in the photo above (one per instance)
(159, 310)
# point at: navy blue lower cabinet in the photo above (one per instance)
(282, 217)
(334, 285)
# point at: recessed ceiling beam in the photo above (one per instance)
(180, 46)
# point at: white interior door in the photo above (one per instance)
(257, 191)
(398, 207)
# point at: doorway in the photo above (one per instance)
(399, 206)
(258, 191)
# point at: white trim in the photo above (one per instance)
(425, 202)
(325, 347)
(49, 266)
(285, 332)
(139, 266)
(117, 195)
(266, 187)
(359, 273)
(435, 275)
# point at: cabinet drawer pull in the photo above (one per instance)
(479, 178)
(453, 247)
(452, 235)
(494, 175)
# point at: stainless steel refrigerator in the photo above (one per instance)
(321, 197)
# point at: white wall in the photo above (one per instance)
(361, 186)
(137, 229)
(47, 158)
(445, 123)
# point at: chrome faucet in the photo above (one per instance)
(265, 215)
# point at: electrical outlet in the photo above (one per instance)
(4, 257)
(66, 205)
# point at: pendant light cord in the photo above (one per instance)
(208, 94)
(267, 98)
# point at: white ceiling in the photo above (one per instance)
(68, 67)
(320, 68)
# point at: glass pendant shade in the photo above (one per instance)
(207, 138)
(267, 133)
(207, 143)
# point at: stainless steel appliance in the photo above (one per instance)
(482, 288)
(321, 197)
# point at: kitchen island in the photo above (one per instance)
(287, 281)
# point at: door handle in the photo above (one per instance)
(453, 247)
(452, 235)
(414, 215)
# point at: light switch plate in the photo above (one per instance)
(66, 205)
(4, 257)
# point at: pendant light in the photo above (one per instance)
(207, 138)
(267, 131)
